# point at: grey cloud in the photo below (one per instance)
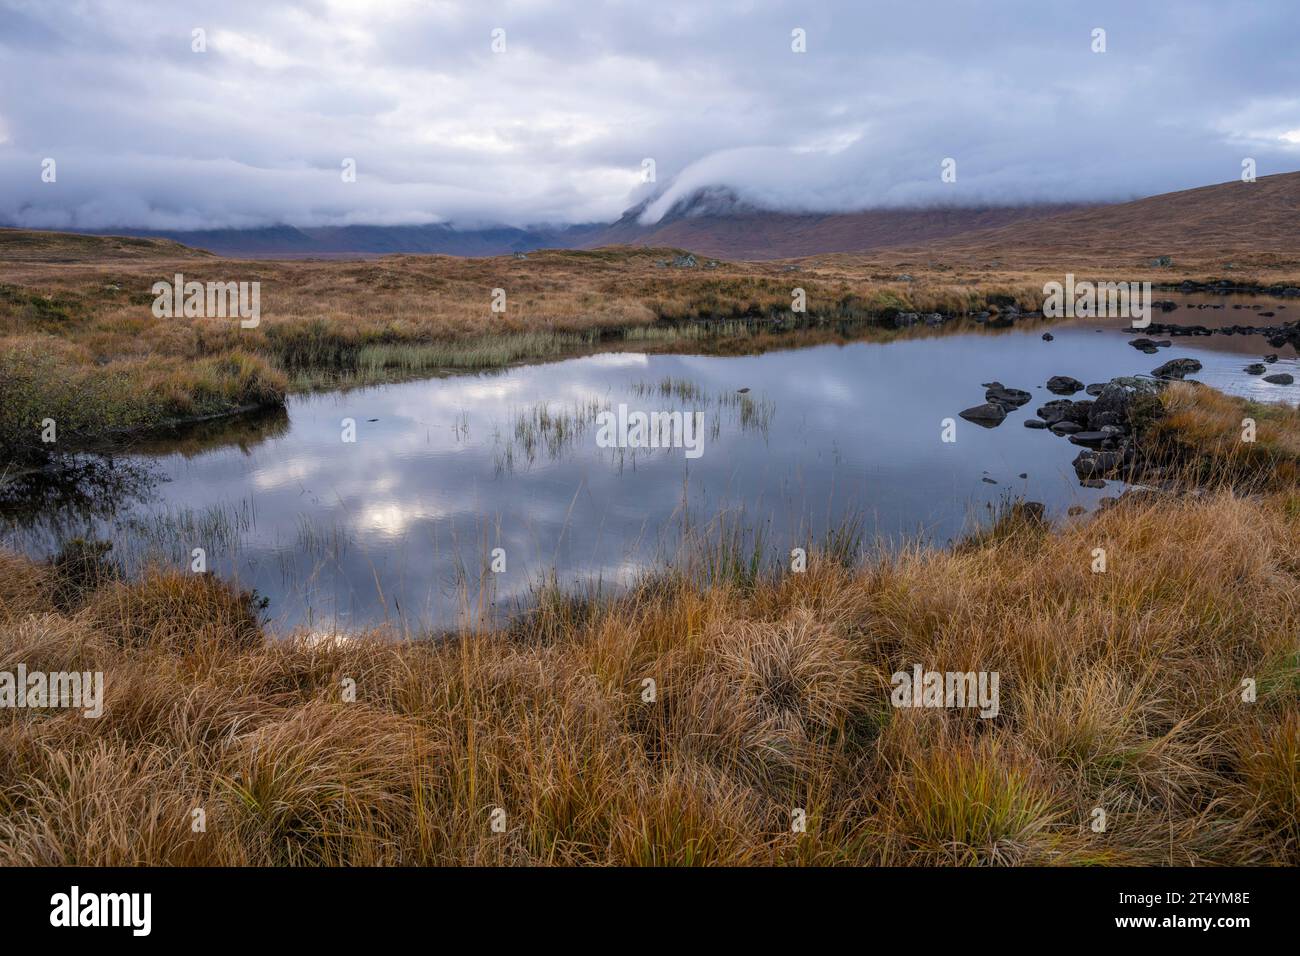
(148, 134)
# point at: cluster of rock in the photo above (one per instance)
(903, 320)
(1288, 333)
(1007, 314)
(998, 400)
(1200, 306)
(1003, 315)
(1101, 424)
(1225, 286)
(687, 261)
(1259, 368)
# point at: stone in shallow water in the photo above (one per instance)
(1090, 464)
(988, 415)
(1055, 410)
(1177, 368)
(1063, 385)
(999, 394)
(1281, 378)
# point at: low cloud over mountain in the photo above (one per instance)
(253, 132)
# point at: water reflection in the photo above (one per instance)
(401, 524)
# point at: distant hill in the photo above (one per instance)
(1259, 217)
(715, 222)
(711, 222)
(32, 245)
(1222, 220)
(342, 241)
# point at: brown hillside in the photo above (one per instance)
(29, 245)
(1257, 222)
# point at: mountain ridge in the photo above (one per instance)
(714, 221)
(1256, 217)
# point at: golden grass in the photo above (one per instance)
(1227, 440)
(75, 315)
(1119, 690)
(69, 329)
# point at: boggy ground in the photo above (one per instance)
(1120, 690)
(79, 343)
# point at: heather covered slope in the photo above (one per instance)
(31, 245)
(747, 233)
(1259, 221)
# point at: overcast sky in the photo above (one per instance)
(145, 132)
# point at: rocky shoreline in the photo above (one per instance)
(1283, 290)
(1104, 424)
(1278, 335)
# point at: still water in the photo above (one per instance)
(399, 526)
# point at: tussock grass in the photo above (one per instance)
(1119, 690)
(1202, 432)
(45, 378)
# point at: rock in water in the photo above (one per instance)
(1091, 465)
(1281, 378)
(987, 415)
(1064, 410)
(999, 394)
(1177, 368)
(1063, 385)
(1114, 404)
